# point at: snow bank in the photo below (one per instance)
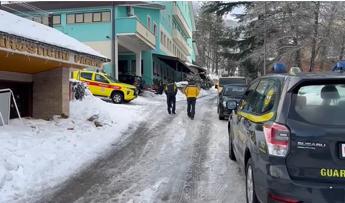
(36, 154)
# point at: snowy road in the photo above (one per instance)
(166, 159)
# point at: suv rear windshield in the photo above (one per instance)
(234, 91)
(321, 104)
(224, 81)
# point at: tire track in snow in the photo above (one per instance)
(166, 159)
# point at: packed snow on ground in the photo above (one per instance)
(36, 154)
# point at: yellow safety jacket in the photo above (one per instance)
(192, 91)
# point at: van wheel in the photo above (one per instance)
(250, 187)
(117, 97)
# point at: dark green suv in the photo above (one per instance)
(288, 134)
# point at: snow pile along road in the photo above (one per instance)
(36, 155)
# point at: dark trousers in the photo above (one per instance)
(171, 101)
(191, 107)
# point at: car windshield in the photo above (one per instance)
(234, 91)
(320, 104)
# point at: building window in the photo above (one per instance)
(161, 37)
(155, 29)
(96, 17)
(37, 19)
(45, 20)
(79, 18)
(106, 16)
(56, 19)
(70, 18)
(88, 18)
(149, 23)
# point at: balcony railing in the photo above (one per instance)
(131, 25)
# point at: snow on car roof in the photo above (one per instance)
(21, 27)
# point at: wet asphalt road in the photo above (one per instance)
(168, 158)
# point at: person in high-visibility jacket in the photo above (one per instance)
(191, 91)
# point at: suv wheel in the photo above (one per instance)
(250, 188)
(231, 149)
(117, 97)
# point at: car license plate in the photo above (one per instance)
(342, 150)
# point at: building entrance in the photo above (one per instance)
(23, 94)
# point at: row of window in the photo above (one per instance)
(170, 45)
(44, 19)
(166, 41)
(89, 17)
(75, 18)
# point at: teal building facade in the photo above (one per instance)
(153, 40)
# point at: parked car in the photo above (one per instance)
(101, 84)
(228, 81)
(288, 134)
(137, 81)
(229, 93)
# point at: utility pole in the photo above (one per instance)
(265, 34)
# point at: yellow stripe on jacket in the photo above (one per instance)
(191, 91)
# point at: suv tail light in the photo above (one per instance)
(277, 139)
(282, 199)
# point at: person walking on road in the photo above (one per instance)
(191, 91)
(171, 91)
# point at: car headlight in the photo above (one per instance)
(224, 103)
